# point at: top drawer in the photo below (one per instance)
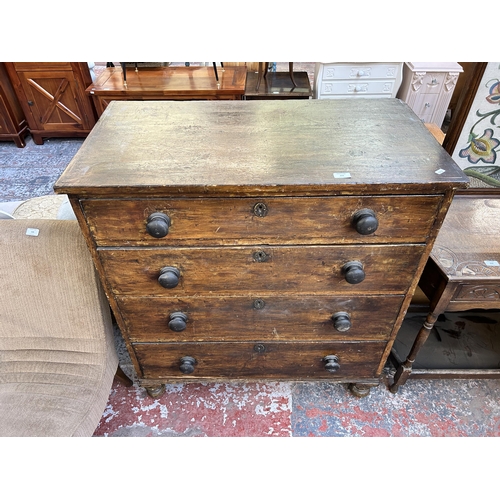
(432, 83)
(368, 71)
(234, 221)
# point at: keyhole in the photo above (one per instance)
(259, 348)
(260, 256)
(260, 209)
(259, 304)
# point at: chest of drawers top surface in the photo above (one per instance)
(258, 147)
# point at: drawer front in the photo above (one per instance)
(432, 83)
(269, 318)
(487, 291)
(359, 72)
(388, 269)
(268, 360)
(425, 105)
(382, 87)
(216, 221)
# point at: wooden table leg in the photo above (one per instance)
(290, 70)
(404, 370)
(262, 72)
(124, 70)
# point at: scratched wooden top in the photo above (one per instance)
(468, 244)
(349, 146)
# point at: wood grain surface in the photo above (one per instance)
(291, 220)
(280, 360)
(254, 147)
(275, 318)
(288, 269)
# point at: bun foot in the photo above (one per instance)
(156, 392)
(361, 390)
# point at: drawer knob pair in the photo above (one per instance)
(158, 225)
(365, 221)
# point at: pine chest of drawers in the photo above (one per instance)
(260, 240)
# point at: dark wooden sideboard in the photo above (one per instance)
(52, 97)
(260, 240)
(13, 125)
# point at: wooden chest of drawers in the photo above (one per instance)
(260, 239)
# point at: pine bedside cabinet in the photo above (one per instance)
(260, 240)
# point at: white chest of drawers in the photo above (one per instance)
(340, 80)
(428, 87)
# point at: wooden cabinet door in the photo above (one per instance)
(13, 126)
(53, 98)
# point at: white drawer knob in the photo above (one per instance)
(361, 73)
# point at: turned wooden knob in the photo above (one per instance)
(169, 277)
(157, 225)
(353, 272)
(177, 321)
(341, 321)
(331, 363)
(187, 365)
(365, 221)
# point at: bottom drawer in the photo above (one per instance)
(246, 360)
(357, 88)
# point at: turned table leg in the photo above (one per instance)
(439, 303)
(404, 370)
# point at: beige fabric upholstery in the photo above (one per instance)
(57, 354)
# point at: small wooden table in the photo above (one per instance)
(168, 83)
(462, 273)
(278, 85)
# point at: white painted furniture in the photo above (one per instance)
(336, 80)
(428, 87)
